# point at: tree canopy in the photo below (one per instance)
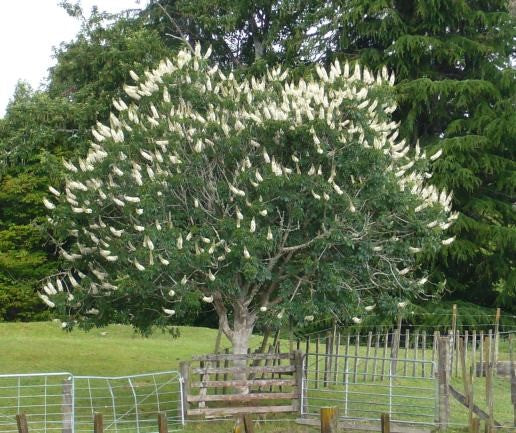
(268, 197)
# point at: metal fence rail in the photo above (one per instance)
(63, 402)
(363, 393)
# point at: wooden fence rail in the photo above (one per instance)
(270, 388)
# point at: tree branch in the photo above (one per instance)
(220, 308)
(178, 29)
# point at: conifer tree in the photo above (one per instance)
(456, 91)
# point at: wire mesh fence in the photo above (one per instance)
(64, 402)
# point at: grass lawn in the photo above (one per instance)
(117, 351)
(44, 347)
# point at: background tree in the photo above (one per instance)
(455, 90)
(266, 197)
(242, 33)
(41, 127)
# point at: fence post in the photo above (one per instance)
(162, 422)
(184, 368)
(329, 419)
(513, 379)
(317, 339)
(489, 398)
(443, 377)
(298, 402)
(396, 344)
(346, 392)
(454, 335)
(248, 423)
(98, 423)
(21, 421)
(497, 337)
(67, 406)
(386, 423)
(475, 425)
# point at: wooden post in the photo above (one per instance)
(248, 423)
(21, 422)
(317, 362)
(434, 346)
(346, 359)
(298, 375)
(162, 422)
(496, 336)
(513, 379)
(98, 423)
(216, 351)
(407, 345)
(384, 355)
(368, 350)
(474, 350)
(375, 356)
(267, 362)
(416, 346)
(203, 391)
(67, 405)
(489, 397)
(475, 425)
(443, 377)
(466, 342)
(471, 396)
(396, 345)
(465, 371)
(423, 348)
(386, 423)
(355, 366)
(225, 377)
(326, 360)
(329, 419)
(453, 333)
(481, 351)
(328, 365)
(457, 337)
(336, 366)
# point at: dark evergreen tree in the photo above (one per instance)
(456, 91)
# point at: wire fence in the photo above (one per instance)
(67, 403)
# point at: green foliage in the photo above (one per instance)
(42, 127)
(269, 198)
(456, 92)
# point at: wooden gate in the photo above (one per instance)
(213, 384)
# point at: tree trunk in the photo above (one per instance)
(242, 330)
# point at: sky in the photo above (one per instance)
(28, 31)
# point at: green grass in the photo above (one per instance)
(117, 351)
(44, 347)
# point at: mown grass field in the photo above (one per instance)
(118, 351)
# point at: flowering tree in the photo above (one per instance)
(268, 197)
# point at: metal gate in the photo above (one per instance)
(62, 402)
(364, 387)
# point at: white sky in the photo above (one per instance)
(28, 31)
